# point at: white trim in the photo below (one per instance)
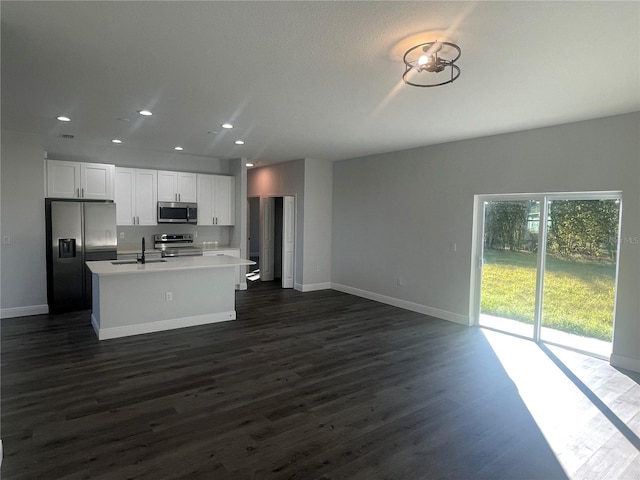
(312, 287)
(241, 286)
(625, 362)
(24, 311)
(149, 327)
(396, 302)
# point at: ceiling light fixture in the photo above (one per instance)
(226, 125)
(239, 142)
(63, 118)
(431, 64)
(250, 164)
(146, 113)
(178, 148)
(116, 140)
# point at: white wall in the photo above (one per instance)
(123, 156)
(22, 262)
(23, 288)
(394, 215)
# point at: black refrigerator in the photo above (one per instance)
(77, 232)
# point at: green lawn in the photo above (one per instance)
(578, 294)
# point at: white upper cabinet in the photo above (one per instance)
(136, 196)
(177, 186)
(223, 200)
(93, 181)
(216, 200)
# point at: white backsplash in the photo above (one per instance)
(133, 234)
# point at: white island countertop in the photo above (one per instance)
(107, 267)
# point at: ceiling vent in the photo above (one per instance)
(66, 136)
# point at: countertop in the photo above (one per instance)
(176, 263)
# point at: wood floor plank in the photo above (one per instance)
(318, 385)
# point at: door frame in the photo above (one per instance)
(477, 247)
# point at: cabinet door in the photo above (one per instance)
(223, 200)
(146, 197)
(187, 187)
(96, 181)
(205, 199)
(63, 179)
(167, 186)
(124, 196)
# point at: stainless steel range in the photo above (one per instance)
(175, 244)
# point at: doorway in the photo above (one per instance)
(546, 267)
(271, 241)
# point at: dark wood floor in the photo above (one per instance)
(320, 385)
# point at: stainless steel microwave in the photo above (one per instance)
(177, 212)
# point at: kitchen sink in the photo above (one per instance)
(134, 262)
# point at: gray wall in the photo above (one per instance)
(24, 282)
(310, 181)
(23, 266)
(318, 194)
(396, 214)
(275, 181)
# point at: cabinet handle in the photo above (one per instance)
(82, 192)
(179, 197)
(138, 219)
(78, 192)
(133, 220)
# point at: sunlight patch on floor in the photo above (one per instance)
(574, 426)
(585, 344)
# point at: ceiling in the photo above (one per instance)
(308, 79)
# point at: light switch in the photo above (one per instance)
(6, 240)
(121, 234)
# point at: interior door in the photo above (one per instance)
(267, 239)
(288, 234)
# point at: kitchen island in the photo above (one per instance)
(131, 298)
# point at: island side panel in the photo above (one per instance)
(132, 304)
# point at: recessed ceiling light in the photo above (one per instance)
(146, 113)
(178, 148)
(116, 140)
(63, 118)
(249, 164)
(226, 125)
(239, 142)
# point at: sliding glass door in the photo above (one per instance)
(580, 273)
(509, 265)
(547, 267)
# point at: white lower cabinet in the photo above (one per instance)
(232, 252)
(136, 196)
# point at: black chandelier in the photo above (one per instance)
(431, 64)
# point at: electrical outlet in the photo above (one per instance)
(121, 234)
(453, 247)
(400, 281)
(168, 296)
(6, 240)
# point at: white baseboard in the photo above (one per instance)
(312, 287)
(24, 311)
(627, 363)
(161, 325)
(241, 286)
(396, 302)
